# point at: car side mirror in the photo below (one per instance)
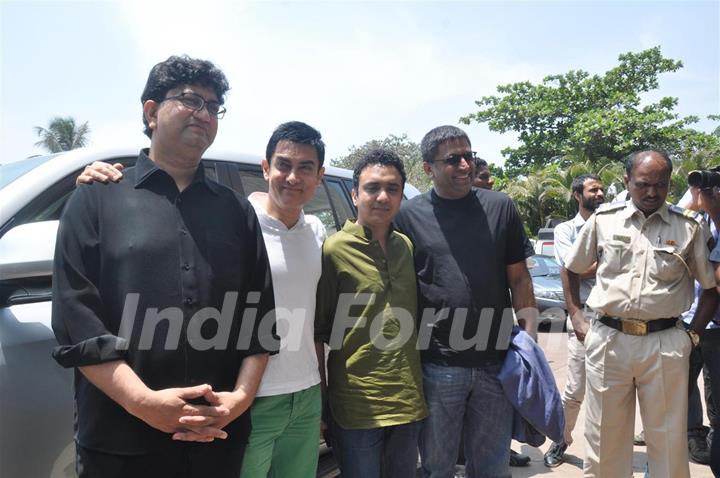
(27, 251)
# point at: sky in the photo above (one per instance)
(357, 71)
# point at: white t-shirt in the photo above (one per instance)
(295, 263)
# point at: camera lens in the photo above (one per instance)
(703, 179)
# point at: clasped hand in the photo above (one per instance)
(170, 411)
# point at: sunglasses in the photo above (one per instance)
(454, 159)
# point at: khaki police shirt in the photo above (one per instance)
(645, 265)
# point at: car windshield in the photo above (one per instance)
(543, 266)
(11, 171)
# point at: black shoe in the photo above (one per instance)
(639, 439)
(697, 446)
(518, 459)
(555, 456)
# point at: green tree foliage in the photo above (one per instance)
(62, 134)
(536, 197)
(716, 131)
(546, 192)
(498, 174)
(408, 151)
(700, 159)
(595, 117)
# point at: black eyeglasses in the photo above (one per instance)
(454, 159)
(196, 102)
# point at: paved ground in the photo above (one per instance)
(555, 347)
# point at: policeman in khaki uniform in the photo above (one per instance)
(647, 254)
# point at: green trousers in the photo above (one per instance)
(285, 436)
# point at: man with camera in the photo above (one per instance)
(704, 195)
(647, 254)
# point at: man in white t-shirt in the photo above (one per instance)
(286, 413)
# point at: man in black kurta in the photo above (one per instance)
(153, 277)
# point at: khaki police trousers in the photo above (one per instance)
(619, 366)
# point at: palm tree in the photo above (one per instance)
(62, 135)
(535, 197)
(611, 174)
(561, 179)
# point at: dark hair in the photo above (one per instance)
(631, 159)
(182, 70)
(381, 156)
(578, 184)
(296, 132)
(480, 163)
(437, 136)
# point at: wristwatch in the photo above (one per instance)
(694, 337)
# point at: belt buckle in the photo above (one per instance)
(634, 327)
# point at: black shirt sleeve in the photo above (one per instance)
(77, 307)
(264, 336)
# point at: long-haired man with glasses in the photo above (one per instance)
(470, 251)
(152, 277)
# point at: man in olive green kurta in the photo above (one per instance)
(366, 311)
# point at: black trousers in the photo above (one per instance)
(181, 460)
(695, 411)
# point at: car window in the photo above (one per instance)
(542, 266)
(49, 205)
(340, 199)
(321, 207)
(11, 171)
(52, 210)
(551, 265)
(251, 180)
(210, 171)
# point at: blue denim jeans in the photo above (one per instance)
(472, 397)
(385, 452)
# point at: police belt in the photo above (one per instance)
(638, 327)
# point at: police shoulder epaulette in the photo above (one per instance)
(610, 207)
(688, 213)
